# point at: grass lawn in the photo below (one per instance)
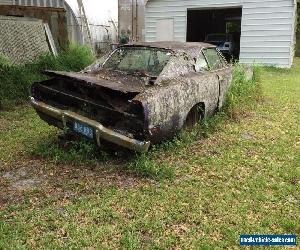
(244, 178)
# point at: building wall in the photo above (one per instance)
(132, 19)
(267, 32)
(74, 32)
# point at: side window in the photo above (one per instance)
(213, 59)
(222, 58)
(201, 64)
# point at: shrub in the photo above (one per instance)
(75, 59)
(4, 62)
(16, 80)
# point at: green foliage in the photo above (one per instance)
(67, 148)
(16, 80)
(75, 59)
(298, 49)
(243, 94)
(298, 16)
(61, 150)
(233, 26)
(143, 166)
(4, 62)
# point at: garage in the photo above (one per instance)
(263, 32)
(221, 27)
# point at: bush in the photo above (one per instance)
(16, 80)
(4, 62)
(75, 59)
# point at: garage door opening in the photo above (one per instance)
(221, 27)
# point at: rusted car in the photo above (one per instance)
(137, 95)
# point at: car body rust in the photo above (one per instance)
(145, 106)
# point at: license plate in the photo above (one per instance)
(83, 130)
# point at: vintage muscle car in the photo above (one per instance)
(138, 94)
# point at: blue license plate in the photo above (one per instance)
(83, 130)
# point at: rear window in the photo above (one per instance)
(215, 61)
(138, 60)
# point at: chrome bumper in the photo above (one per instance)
(101, 132)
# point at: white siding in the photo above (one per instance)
(166, 29)
(6, 2)
(267, 31)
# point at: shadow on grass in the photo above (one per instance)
(68, 148)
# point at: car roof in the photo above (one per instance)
(191, 48)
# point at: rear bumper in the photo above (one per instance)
(101, 132)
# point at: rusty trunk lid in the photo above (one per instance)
(111, 80)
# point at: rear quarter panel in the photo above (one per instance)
(166, 106)
(225, 78)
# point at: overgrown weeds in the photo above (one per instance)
(61, 149)
(16, 80)
(147, 167)
(243, 93)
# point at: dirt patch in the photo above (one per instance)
(26, 184)
(21, 179)
(248, 136)
(38, 179)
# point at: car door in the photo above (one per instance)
(209, 82)
(219, 66)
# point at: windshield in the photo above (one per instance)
(216, 37)
(138, 60)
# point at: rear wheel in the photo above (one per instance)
(194, 117)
